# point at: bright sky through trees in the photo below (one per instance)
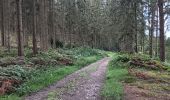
(168, 25)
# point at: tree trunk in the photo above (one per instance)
(162, 34)
(19, 28)
(152, 30)
(2, 24)
(157, 32)
(8, 25)
(44, 42)
(34, 40)
(136, 29)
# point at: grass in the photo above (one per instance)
(154, 81)
(44, 76)
(54, 74)
(117, 73)
(10, 97)
(113, 88)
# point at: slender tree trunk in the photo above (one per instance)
(44, 42)
(47, 43)
(8, 25)
(143, 32)
(2, 24)
(152, 30)
(34, 40)
(162, 34)
(41, 23)
(136, 29)
(157, 31)
(19, 28)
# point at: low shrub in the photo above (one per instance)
(13, 76)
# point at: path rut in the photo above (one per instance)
(84, 84)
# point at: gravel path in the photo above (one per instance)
(84, 84)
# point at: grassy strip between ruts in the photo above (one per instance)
(44, 78)
(113, 87)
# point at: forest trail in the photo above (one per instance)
(84, 84)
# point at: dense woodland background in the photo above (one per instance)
(43, 41)
(119, 25)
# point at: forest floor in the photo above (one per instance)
(84, 84)
(38, 72)
(65, 74)
(148, 85)
(136, 77)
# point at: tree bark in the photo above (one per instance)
(8, 25)
(34, 40)
(152, 30)
(2, 23)
(157, 31)
(136, 29)
(162, 34)
(19, 28)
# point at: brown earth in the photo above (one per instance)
(136, 93)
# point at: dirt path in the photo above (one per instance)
(84, 84)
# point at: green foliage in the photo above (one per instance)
(87, 51)
(51, 54)
(10, 97)
(123, 58)
(86, 60)
(167, 65)
(15, 72)
(168, 53)
(5, 53)
(142, 56)
(153, 81)
(36, 77)
(52, 57)
(43, 78)
(13, 52)
(28, 52)
(168, 42)
(113, 88)
(140, 60)
(7, 60)
(120, 71)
